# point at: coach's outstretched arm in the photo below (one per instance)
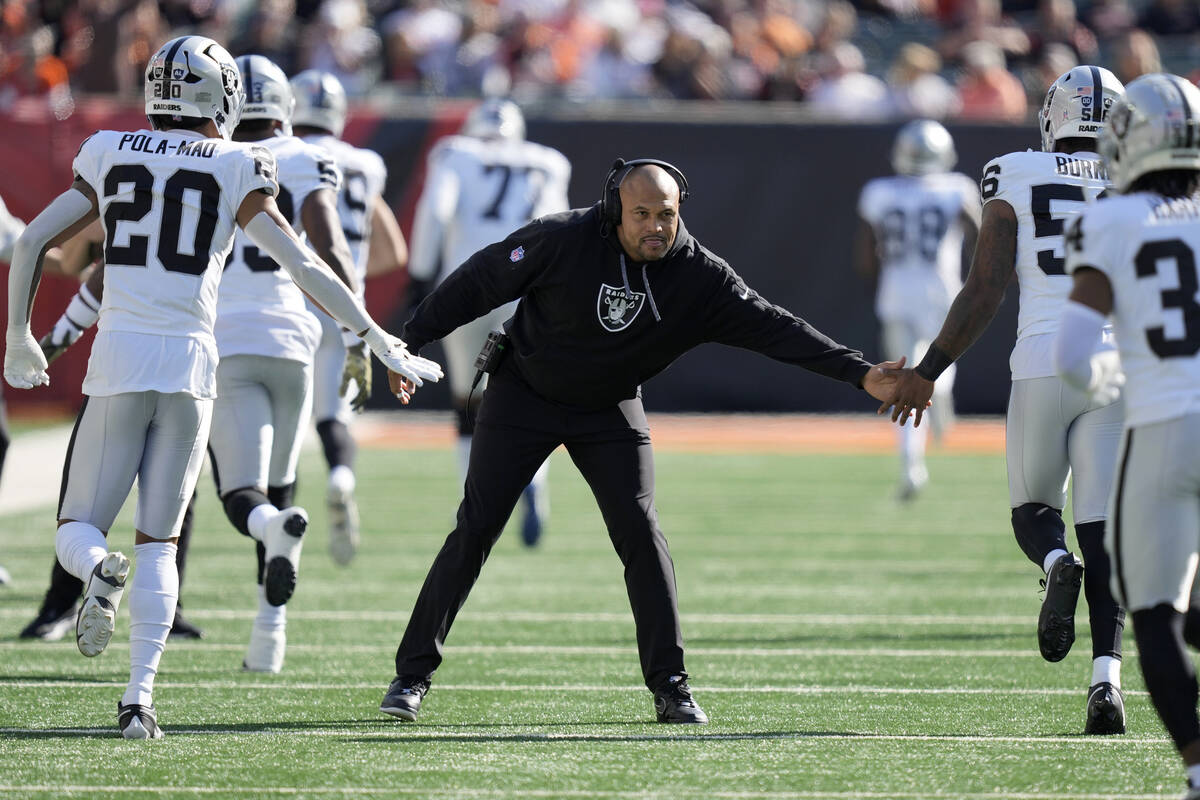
(972, 311)
(71, 212)
(259, 216)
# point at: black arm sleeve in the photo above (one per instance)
(495, 275)
(740, 317)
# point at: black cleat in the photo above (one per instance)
(182, 629)
(51, 623)
(673, 703)
(1056, 623)
(138, 722)
(404, 695)
(1105, 710)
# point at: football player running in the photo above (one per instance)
(60, 603)
(170, 197)
(376, 247)
(481, 186)
(1054, 432)
(1133, 258)
(266, 338)
(912, 226)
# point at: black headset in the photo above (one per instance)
(610, 201)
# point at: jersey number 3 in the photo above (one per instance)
(1146, 262)
(134, 254)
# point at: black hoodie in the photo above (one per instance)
(592, 324)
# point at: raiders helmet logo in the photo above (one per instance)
(616, 309)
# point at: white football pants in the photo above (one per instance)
(1054, 431)
(259, 419)
(156, 438)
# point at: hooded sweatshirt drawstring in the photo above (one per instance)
(650, 295)
(645, 282)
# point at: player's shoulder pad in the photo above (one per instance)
(326, 164)
(264, 165)
(1101, 227)
(1012, 170)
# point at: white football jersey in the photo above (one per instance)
(260, 310)
(1147, 246)
(363, 178)
(168, 203)
(1046, 192)
(477, 192)
(918, 227)
(10, 231)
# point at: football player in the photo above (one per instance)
(481, 186)
(170, 198)
(60, 603)
(266, 338)
(376, 247)
(1054, 432)
(912, 227)
(1133, 258)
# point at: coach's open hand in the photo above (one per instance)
(401, 386)
(911, 395)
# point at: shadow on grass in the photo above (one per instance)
(59, 678)
(825, 639)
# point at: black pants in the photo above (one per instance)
(515, 433)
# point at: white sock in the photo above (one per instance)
(256, 523)
(464, 455)
(1106, 669)
(1054, 555)
(153, 594)
(80, 547)
(342, 478)
(541, 495)
(1193, 774)
(269, 617)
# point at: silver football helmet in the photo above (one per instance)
(268, 93)
(193, 76)
(1155, 127)
(1077, 105)
(923, 147)
(320, 101)
(495, 118)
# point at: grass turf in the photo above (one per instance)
(844, 645)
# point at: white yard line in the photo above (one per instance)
(383, 727)
(643, 794)
(619, 617)
(592, 650)
(503, 687)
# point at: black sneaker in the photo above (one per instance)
(673, 703)
(51, 623)
(138, 722)
(1105, 710)
(1056, 623)
(182, 629)
(404, 695)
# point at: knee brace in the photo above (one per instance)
(1170, 676)
(238, 505)
(336, 443)
(282, 496)
(1105, 614)
(1039, 530)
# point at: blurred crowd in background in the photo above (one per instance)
(866, 59)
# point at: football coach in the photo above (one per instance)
(610, 296)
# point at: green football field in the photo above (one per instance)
(844, 645)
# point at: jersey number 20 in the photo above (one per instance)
(134, 254)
